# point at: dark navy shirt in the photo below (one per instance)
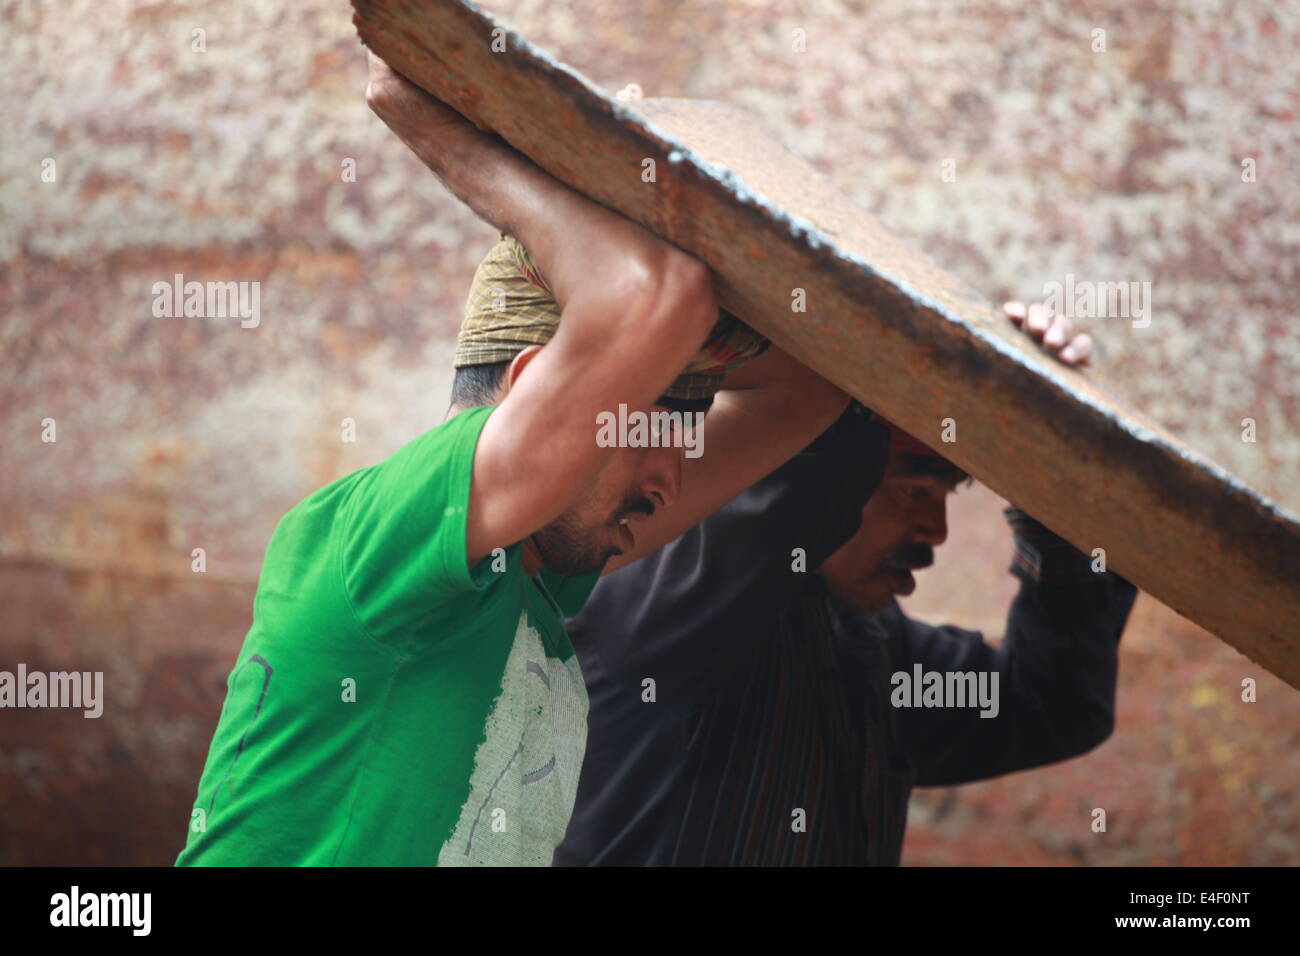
(738, 717)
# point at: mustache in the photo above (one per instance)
(913, 557)
(633, 504)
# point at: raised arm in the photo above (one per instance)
(635, 310)
(1056, 668)
(768, 411)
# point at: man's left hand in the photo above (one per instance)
(1055, 333)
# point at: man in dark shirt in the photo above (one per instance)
(750, 683)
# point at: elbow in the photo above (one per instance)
(827, 400)
(1092, 731)
(1103, 725)
(679, 294)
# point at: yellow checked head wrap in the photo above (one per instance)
(511, 307)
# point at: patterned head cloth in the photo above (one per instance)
(511, 307)
(934, 463)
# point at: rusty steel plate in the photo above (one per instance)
(882, 321)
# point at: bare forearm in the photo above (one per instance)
(574, 240)
(754, 431)
(480, 169)
(780, 408)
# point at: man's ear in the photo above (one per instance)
(517, 366)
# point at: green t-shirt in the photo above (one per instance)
(390, 705)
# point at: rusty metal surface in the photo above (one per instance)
(882, 321)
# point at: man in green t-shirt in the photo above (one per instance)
(407, 693)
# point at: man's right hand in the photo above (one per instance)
(417, 117)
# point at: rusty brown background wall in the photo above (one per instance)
(227, 164)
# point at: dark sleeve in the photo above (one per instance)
(693, 604)
(1056, 668)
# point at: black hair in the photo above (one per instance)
(476, 385)
(685, 405)
(932, 466)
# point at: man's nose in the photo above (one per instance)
(661, 478)
(931, 524)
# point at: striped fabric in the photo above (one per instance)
(511, 306)
(788, 734)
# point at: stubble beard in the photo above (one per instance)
(573, 549)
(570, 550)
